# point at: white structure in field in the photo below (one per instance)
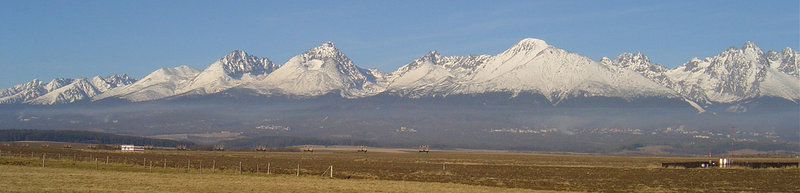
(724, 162)
(131, 148)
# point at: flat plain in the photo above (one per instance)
(384, 171)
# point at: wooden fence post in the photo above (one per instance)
(240, 167)
(96, 166)
(268, 168)
(201, 167)
(107, 159)
(42, 160)
(188, 165)
(298, 169)
(151, 166)
(256, 167)
(165, 163)
(214, 166)
(331, 171)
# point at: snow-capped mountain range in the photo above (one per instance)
(62, 90)
(530, 66)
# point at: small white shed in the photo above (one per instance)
(131, 148)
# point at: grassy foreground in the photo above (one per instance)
(176, 171)
(35, 179)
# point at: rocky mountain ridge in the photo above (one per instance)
(530, 66)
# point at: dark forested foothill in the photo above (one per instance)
(283, 141)
(83, 137)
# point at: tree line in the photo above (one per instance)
(90, 137)
(283, 141)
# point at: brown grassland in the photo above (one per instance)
(191, 171)
(33, 179)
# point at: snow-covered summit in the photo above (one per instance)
(229, 71)
(318, 71)
(237, 63)
(425, 76)
(527, 45)
(508, 60)
(158, 84)
(434, 74)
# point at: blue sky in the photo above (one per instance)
(48, 39)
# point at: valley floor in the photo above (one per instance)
(391, 170)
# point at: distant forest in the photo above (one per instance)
(284, 141)
(83, 137)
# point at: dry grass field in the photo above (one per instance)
(389, 171)
(33, 179)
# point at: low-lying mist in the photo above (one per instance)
(678, 130)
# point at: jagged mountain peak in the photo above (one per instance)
(326, 50)
(632, 58)
(637, 62)
(229, 71)
(117, 79)
(328, 44)
(236, 54)
(527, 45)
(640, 63)
(786, 61)
(66, 90)
(317, 71)
(325, 56)
(237, 63)
(736, 75)
(13, 94)
(749, 50)
(328, 47)
(750, 45)
(606, 61)
(183, 67)
(460, 66)
(432, 55)
(750, 56)
(57, 83)
(788, 50)
(637, 55)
